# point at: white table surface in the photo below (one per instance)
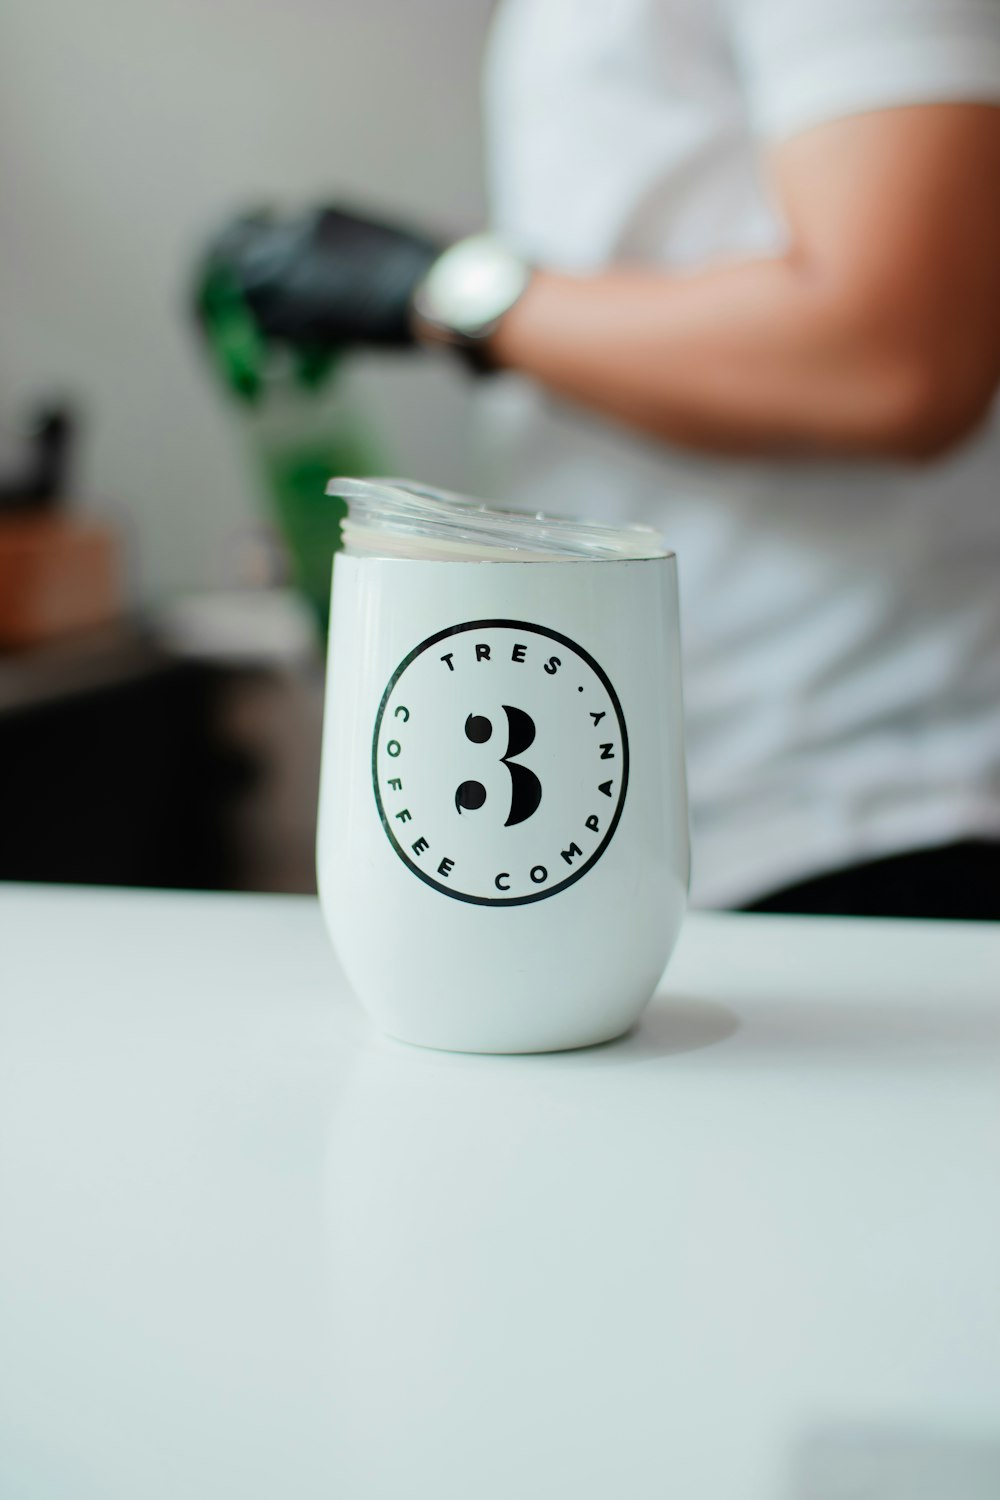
(250, 1249)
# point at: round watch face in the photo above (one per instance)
(471, 285)
(500, 762)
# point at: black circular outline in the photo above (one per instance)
(596, 668)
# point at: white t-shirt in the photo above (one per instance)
(841, 621)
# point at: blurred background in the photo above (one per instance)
(178, 381)
(160, 674)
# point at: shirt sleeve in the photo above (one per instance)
(803, 62)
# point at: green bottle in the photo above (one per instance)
(300, 439)
(302, 429)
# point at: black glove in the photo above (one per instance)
(324, 278)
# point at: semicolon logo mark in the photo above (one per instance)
(525, 787)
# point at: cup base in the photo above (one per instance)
(526, 1049)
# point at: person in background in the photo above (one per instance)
(745, 263)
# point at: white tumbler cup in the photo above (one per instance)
(503, 840)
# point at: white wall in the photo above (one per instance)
(127, 132)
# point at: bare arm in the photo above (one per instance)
(878, 332)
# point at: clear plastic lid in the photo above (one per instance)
(397, 518)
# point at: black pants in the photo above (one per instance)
(960, 882)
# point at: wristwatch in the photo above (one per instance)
(466, 292)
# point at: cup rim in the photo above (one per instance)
(395, 519)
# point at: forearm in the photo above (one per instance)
(877, 333)
(760, 356)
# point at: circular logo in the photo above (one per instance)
(499, 761)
